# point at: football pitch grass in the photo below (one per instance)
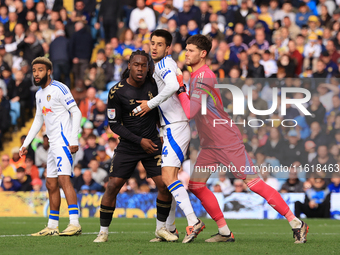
(131, 236)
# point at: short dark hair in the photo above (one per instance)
(92, 136)
(163, 33)
(202, 42)
(20, 169)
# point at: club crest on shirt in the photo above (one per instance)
(150, 95)
(48, 98)
(111, 113)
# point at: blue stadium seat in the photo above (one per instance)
(103, 96)
(110, 85)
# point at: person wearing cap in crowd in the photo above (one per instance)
(59, 55)
(36, 184)
(87, 129)
(312, 52)
(103, 63)
(85, 189)
(24, 179)
(9, 184)
(103, 159)
(302, 15)
(314, 25)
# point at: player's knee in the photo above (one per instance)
(51, 185)
(112, 188)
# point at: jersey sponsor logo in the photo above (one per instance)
(46, 111)
(111, 113)
(48, 98)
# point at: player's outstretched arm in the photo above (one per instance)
(35, 128)
(76, 119)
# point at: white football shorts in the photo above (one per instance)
(176, 139)
(59, 161)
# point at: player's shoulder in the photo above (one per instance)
(165, 63)
(60, 87)
(118, 88)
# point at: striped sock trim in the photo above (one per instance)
(54, 215)
(73, 209)
(173, 186)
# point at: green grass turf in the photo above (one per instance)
(131, 236)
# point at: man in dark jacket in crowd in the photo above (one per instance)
(30, 48)
(59, 57)
(110, 11)
(80, 50)
(5, 122)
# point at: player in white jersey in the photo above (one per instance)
(56, 106)
(176, 130)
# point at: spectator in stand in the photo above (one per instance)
(287, 10)
(30, 47)
(119, 67)
(256, 70)
(9, 184)
(294, 149)
(100, 120)
(109, 12)
(41, 153)
(91, 150)
(302, 15)
(31, 169)
(20, 92)
(87, 105)
(317, 110)
(292, 184)
(6, 167)
(95, 77)
(317, 200)
(98, 174)
(79, 91)
(334, 186)
(59, 56)
(86, 179)
(112, 145)
(41, 11)
(142, 13)
(80, 50)
(105, 64)
(16, 161)
(103, 159)
(189, 12)
(274, 147)
(242, 13)
(4, 115)
(24, 179)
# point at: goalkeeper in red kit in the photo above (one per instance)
(222, 144)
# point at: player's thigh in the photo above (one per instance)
(153, 164)
(123, 165)
(176, 142)
(59, 162)
(240, 163)
(205, 165)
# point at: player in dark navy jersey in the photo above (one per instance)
(139, 142)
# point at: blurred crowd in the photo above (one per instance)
(256, 44)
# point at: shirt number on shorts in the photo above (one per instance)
(59, 165)
(159, 157)
(165, 151)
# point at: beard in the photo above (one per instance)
(42, 81)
